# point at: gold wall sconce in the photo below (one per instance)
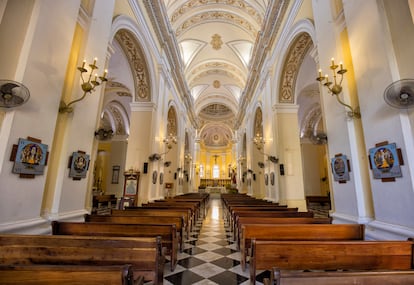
(88, 86)
(335, 86)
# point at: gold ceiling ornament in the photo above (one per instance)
(216, 83)
(216, 41)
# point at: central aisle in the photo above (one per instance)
(210, 256)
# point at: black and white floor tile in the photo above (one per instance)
(210, 255)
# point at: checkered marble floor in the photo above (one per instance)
(210, 255)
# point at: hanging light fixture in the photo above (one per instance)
(259, 141)
(335, 86)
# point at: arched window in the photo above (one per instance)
(216, 171)
(201, 171)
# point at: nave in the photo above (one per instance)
(210, 255)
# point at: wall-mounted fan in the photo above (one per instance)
(400, 94)
(319, 138)
(12, 93)
(104, 134)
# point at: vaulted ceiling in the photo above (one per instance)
(215, 43)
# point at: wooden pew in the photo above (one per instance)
(41, 274)
(275, 220)
(318, 199)
(167, 232)
(139, 211)
(296, 232)
(144, 254)
(388, 277)
(265, 214)
(178, 221)
(194, 211)
(330, 255)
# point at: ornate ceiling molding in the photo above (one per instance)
(138, 64)
(273, 21)
(239, 4)
(215, 16)
(291, 67)
(159, 20)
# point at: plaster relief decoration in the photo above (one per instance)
(385, 160)
(30, 157)
(214, 16)
(138, 64)
(293, 61)
(240, 4)
(216, 84)
(216, 41)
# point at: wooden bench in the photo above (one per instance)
(296, 232)
(318, 199)
(145, 255)
(167, 232)
(275, 220)
(388, 277)
(330, 255)
(194, 211)
(139, 211)
(178, 221)
(265, 214)
(41, 274)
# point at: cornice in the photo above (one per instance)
(273, 21)
(159, 19)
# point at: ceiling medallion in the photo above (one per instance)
(216, 41)
(216, 84)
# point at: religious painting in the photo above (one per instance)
(115, 174)
(161, 178)
(79, 164)
(385, 161)
(340, 169)
(30, 157)
(154, 177)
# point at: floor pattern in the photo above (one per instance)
(210, 255)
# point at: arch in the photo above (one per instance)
(289, 43)
(130, 38)
(258, 123)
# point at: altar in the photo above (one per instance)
(216, 189)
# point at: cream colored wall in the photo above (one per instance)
(43, 74)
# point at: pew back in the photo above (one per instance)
(144, 254)
(330, 255)
(67, 275)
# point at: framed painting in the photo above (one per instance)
(30, 157)
(79, 165)
(385, 160)
(115, 174)
(154, 177)
(340, 168)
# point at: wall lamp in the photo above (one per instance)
(259, 141)
(169, 142)
(335, 87)
(88, 86)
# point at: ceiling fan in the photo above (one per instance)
(12, 94)
(400, 94)
(318, 138)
